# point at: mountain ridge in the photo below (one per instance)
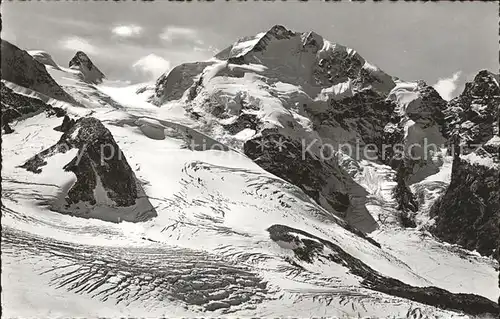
(20, 68)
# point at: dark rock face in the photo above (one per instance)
(283, 157)
(99, 162)
(310, 248)
(337, 68)
(406, 203)
(392, 136)
(116, 175)
(88, 71)
(15, 106)
(473, 116)
(375, 121)
(413, 162)
(323, 181)
(468, 214)
(7, 129)
(22, 69)
(432, 108)
(366, 113)
(244, 121)
(66, 125)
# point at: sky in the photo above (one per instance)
(442, 43)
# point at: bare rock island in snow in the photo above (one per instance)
(16, 106)
(105, 187)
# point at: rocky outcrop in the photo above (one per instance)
(285, 158)
(171, 86)
(19, 67)
(474, 115)
(89, 73)
(309, 249)
(17, 106)
(364, 115)
(323, 180)
(406, 203)
(103, 176)
(468, 214)
(430, 110)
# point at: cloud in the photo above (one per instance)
(152, 66)
(173, 34)
(127, 31)
(446, 87)
(210, 49)
(72, 22)
(78, 44)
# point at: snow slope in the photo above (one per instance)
(209, 203)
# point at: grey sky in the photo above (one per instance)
(413, 41)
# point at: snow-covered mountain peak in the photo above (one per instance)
(279, 32)
(307, 59)
(79, 80)
(89, 72)
(316, 66)
(258, 42)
